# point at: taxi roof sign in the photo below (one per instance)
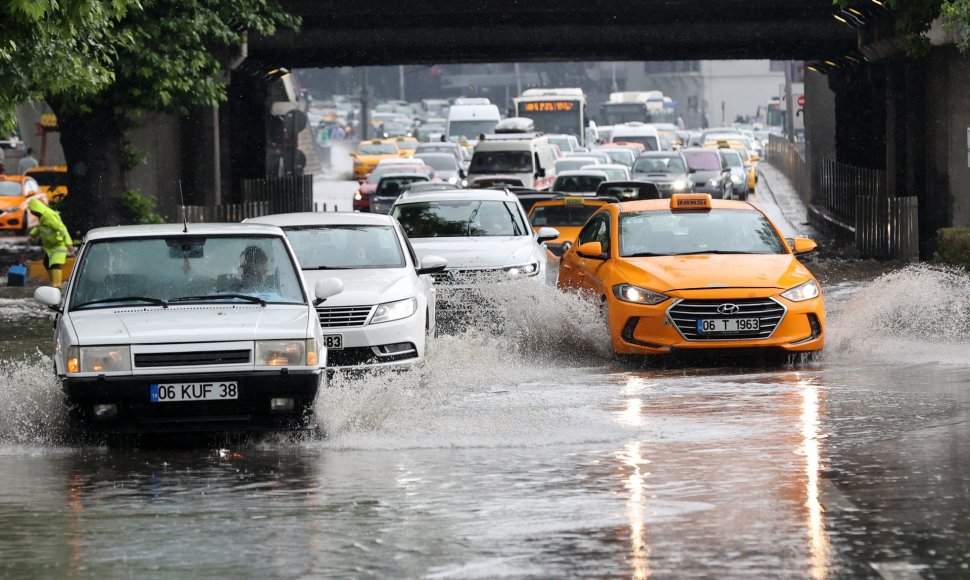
(690, 201)
(573, 200)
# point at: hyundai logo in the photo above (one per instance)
(728, 309)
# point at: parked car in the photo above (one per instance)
(387, 306)
(16, 191)
(208, 327)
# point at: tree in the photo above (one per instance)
(161, 56)
(915, 17)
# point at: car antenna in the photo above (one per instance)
(185, 223)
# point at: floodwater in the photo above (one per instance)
(528, 452)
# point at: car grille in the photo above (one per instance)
(188, 359)
(343, 316)
(686, 313)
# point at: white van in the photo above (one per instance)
(467, 121)
(204, 327)
(526, 156)
(636, 132)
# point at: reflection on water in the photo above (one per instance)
(635, 508)
(818, 539)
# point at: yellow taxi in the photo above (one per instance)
(695, 274)
(566, 214)
(15, 192)
(370, 153)
(52, 180)
(406, 145)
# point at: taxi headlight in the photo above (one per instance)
(679, 184)
(280, 353)
(104, 359)
(390, 311)
(637, 295)
(802, 292)
(530, 269)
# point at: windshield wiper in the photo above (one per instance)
(713, 252)
(246, 297)
(155, 301)
(643, 255)
(324, 268)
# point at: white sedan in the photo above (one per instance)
(387, 306)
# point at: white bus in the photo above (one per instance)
(639, 107)
(555, 111)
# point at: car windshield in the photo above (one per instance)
(564, 143)
(613, 173)
(501, 162)
(50, 178)
(723, 231)
(620, 155)
(11, 189)
(378, 149)
(469, 129)
(135, 271)
(460, 218)
(671, 164)
(561, 215)
(703, 160)
(571, 163)
(382, 170)
(440, 162)
(345, 247)
(578, 183)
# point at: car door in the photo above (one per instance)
(585, 272)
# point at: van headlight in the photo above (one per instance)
(530, 269)
(390, 311)
(102, 359)
(680, 184)
(802, 292)
(637, 295)
(281, 353)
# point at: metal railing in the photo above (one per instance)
(789, 158)
(284, 194)
(842, 184)
(229, 213)
(887, 227)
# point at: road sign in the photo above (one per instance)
(801, 101)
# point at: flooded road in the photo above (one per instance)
(529, 452)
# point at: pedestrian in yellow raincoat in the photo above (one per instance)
(54, 238)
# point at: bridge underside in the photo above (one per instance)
(377, 32)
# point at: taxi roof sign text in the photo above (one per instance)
(690, 201)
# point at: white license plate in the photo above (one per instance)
(714, 326)
(180, 392)
(333, 341)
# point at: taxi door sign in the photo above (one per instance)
(690, 201)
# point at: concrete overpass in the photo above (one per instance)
(377, 32)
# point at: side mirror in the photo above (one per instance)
(799, 246)
(691, 171)
(326, 288)
(592, 250)
(547, 234)
(432, 265)
(48, 296)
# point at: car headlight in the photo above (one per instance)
(735, 179)
(464, 183)
(390, 311)
(358, 196)
(452, 180)
(802, 292)
(637, 295)
(714, 182)
(281, 353)
(679, 184)
(102, 359)
(530, 269)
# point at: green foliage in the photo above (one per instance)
(140, 208)
(915, 17)
(131, 156)
(953, 247)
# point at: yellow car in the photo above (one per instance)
(52, 180)
(566, 214)
(369, 154)
(16, 191)
(695, 274)
(750, 159)
(406, 145)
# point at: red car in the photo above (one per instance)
(363, 196)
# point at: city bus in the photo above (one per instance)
(554, 111)
(638, 107)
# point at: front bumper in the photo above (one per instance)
(641, 329)
(249, 412)
(368, 345)
(12, 220)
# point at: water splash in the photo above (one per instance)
(917, 314)
(33, 405)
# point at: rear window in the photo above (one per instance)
(703, 160)
(561, 215)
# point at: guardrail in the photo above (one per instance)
(887, 227)
(790, 160)
(842, 184)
